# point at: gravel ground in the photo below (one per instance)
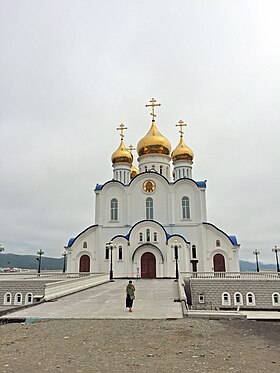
(186, 345)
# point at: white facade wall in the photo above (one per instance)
(167, 202)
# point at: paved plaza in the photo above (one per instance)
(154, 300)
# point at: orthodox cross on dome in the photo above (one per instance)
(181, 124)
(131, 148)
(121, 128)
(153, 104)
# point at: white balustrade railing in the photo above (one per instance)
(232, 275)
(73, 284)
(44, 275)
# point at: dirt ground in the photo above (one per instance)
(186, 345)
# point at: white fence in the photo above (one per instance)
(233, 275)
(72, 284)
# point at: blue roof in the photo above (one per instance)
(70, 242)
(233, 240)
(98, 187)
(201, 184)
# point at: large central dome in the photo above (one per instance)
(153, 143)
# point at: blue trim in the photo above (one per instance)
(101, 186)
(121, 236)
(177, 235)
(167, 235)
(72, 240)
(232, 239)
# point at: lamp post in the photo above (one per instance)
(1, 248)
(256, 252)
(276, 250)
(110, 246)
(40, 253)
(64, 254)
(176, 246)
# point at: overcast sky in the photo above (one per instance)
(72, 71)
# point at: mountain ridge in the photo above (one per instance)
(8, 260)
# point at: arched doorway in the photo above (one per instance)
(148, 265)
(84, 263)
(219, 263)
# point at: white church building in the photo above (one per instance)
(151, 216)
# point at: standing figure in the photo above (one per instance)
(130, 289)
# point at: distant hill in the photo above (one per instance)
(30, 262)
(251, 267)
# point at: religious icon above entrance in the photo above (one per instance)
(149, 186)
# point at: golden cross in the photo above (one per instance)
(130, 148)
(153, 104)
(121, 128)
(181, 124)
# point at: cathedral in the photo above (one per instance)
(151, 217)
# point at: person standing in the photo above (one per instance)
(130, 289)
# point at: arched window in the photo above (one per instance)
(193, 251)
(140, 237)
(218, 243)
(148, 235)
(28, 298)
(114, 209)
(250, 299)
(276, 299)
(160, 170)
(226, 299)
(185, 207)
(155, 236)
(149, 208)
(18, 299)
(107, 253)
(85, 245)
(238, 299)
(7, 299)
(120, 253)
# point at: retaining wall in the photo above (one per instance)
(212, 290)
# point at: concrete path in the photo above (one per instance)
(154, 300)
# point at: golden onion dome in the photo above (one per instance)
(153, 143)
(133, 171)
(182, 152)
(122, 155)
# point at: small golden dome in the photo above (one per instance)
(182, 152)
(122, 155)
(153, 143)
(133, 171)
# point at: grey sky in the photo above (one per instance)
(71, 71)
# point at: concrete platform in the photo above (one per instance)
(215, 315)
(262, 315)
(154, 300)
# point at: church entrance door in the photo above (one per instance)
(148, 265)
(84, 263)
(219, 263)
